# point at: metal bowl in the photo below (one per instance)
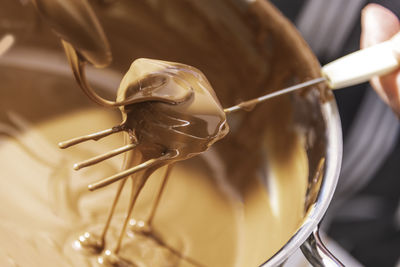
(246, 48)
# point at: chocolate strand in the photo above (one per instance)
(159, 194)
(78, 68)
(137, 185)
(127, 161)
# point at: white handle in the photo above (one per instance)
(362, 65)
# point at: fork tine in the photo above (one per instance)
(100, 158)
(137, 168)
(93, 136)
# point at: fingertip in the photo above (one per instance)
(370, 8)
(378, 24)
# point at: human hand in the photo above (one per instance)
(379, 24)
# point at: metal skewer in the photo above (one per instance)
(263, 98)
